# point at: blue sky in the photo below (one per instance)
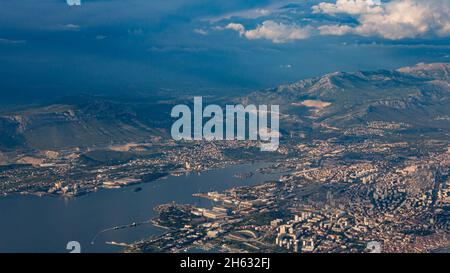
(49, 48)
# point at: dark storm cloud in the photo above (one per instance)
(48, 48)
(47, 14)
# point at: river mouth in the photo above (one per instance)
(46, 224)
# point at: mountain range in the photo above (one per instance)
(417, 96)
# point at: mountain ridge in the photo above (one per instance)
(418, 96)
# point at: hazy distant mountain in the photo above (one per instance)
(81, 122)
(419, 96)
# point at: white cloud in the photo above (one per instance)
(73, 2)
(338, 30)
(245, 14)
(11, 42)
(398, 19)
(408, 19)
(271, 30)
(71, 26)
(101, 37)
(393, 20)
(349, 7)
(236, 27)
(201, 31)
(286, 66)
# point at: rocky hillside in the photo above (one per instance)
(80, 124)
(419, 96)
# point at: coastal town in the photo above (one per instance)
(324, 203)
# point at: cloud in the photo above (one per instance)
(73, 2)
(286, 66)
(11, 42)
(408, 19)
(165, 49)
(101, 37)
(349, 7)
(337, 30)
(395, 20)
(274, 31)
(245, 14)
(236, 27)
(72, 26)
(391, 20)
(200, 31)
